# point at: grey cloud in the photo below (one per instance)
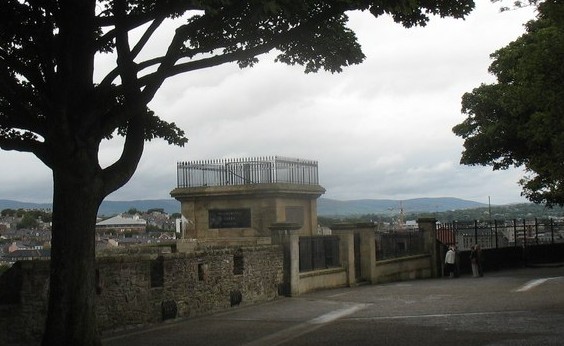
(379, 130)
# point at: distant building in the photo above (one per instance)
(120, 224)
(17, 245)
(28, 254)
(4, 226)
(158, 220)
(483, 236)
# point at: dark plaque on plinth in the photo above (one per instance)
(229, 218)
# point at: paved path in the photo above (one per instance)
(517, 307)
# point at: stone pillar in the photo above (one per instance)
(345, 232)
(362, 255)
(429, 227)
(367, 251)
(286, 235)
(187, 209)
(294, 264)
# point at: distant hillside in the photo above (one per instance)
(331, 207)
(444, 209)
(170, 206)
(9, 204)
(107, 208)
(325, 206)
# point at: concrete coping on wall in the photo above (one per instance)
(312, 191)
(192, 245)
(401, 259)
(321, 272)
(284, 228)
(218, 248)
(126, 258)
(342, 226)
(281, 230)
(351, 225)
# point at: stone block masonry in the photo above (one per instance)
(137, 290)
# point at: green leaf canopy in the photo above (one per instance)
(519, 121)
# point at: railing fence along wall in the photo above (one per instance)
(501, 233)
(319, 252)
(241, 171)
(399, 243)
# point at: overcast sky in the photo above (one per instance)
(381, 129)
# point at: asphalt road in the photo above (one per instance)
(517, 307)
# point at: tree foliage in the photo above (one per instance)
(519, 121)
(28, 222)
(47, 50)
(8, 212)
(133, 211)
(44, 216)
(508, 5)
(53, 105)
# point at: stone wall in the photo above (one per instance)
(322, 279)
(404, 268)
(23, 304)
(146, 289)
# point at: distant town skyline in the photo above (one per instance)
(379, 130)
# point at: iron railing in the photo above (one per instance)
(319, 252)
(241, 171)
(397, 244)
(501, 233)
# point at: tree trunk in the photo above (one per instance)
(71, 317)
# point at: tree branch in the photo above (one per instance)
(167, 9)
(26, 144)
(18, 114)
(203, 63)
(121, 171)
(146, 36)
(33, 76)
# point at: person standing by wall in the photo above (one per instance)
(479, 260)
(474, 261)
(450, 259)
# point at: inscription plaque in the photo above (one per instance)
(229, 218)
